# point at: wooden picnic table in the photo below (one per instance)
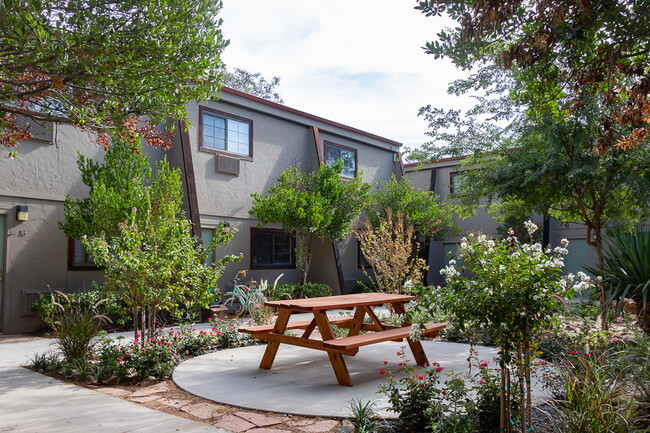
(337, 347)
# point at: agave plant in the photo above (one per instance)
(626, 267)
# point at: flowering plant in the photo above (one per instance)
(511, 289)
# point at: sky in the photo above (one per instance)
(353, 62)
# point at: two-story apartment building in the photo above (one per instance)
(234, 146)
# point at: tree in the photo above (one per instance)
(253, 84)
(546, 164)
(317, 204)
(116, 187)
(134, 228)
(600, 47)
(429, 216)
(103, 65)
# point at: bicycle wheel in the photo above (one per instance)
(234, 306)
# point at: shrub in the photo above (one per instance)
(76, 323)
(111, 306)
(291, 290)
(626, 269)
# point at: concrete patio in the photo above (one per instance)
(302, 382)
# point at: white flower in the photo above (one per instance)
(416, 332)
(565, 243)
(531, 227)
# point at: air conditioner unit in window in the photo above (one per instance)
(228, 165)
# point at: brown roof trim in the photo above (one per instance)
(307, 115)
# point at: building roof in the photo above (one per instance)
(305, 115)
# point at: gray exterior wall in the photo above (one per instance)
(36, 251)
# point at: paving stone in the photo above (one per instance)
(267, 430)
(300, 423)
(320, 426)
(234, 424)
(115, 392)
(202, 410)
(155, 389)
(174, 403)
(144, 399)
(259, 419)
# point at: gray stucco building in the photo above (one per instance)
(235, 145)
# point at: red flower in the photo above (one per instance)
(439, 369)
(382, 371)
(573, 352)
(385, 362)
(421, 377)
(400, 364)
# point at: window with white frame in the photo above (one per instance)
(334, 152)
(225, 133)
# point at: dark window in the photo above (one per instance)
(78, 257)
(455, 178)
(334, 152)
(225, 133)
(272, 248)
(361, 258)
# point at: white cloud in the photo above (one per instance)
(358, 63)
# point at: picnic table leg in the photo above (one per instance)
(272, 346)
(416, 347)
(336, 359)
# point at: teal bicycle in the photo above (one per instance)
(244, 298)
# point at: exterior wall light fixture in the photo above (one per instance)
(225, 229)
(21, 213)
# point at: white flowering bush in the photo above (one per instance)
(511, 289)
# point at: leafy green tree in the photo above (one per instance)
(116, 187)
(317, 204)
(429, 216)
(101, 65)
(253, 84)
(600, 47)
(133, 227)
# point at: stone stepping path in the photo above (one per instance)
(165, 396)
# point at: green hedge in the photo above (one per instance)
(311, 290)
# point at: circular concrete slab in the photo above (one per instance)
(302, 381)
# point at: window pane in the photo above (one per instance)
(348, 156)
(272, 249)
(332, 154)
(238, 137)
(214, 132)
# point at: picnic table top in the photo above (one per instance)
(340, 301)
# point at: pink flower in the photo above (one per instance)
(483, 364)
(481, 382)
(573, 352)
(382, 371)
(168, 344)
(400, 364)
(421, 377)
(439, 369)
(587, 354)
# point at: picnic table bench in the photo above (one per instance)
(336, 347)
